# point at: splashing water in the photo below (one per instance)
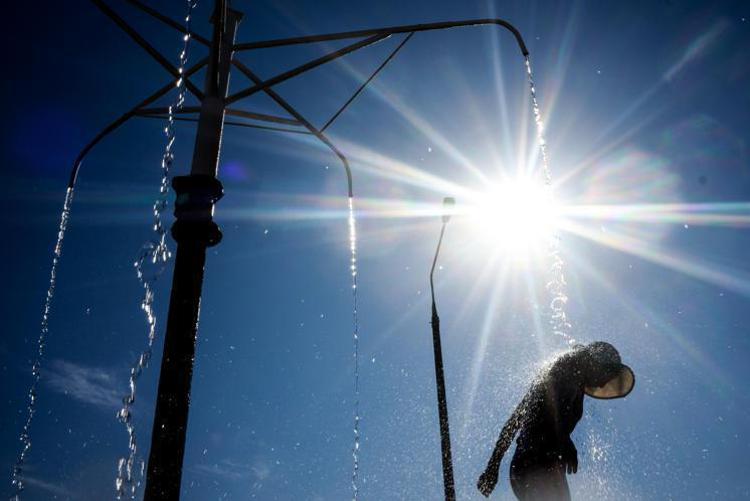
(355, 317)
(556, 286)
(25, 437)
(149, 265)
(605, 478)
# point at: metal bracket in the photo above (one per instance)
(194, 209)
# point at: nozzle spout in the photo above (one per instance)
(448, 205)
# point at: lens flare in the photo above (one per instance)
(517, 216)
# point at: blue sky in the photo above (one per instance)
(646, 107)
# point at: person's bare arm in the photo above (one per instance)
(488, 479)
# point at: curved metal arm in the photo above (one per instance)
(124, 118)
(385, 31)
(373, 36)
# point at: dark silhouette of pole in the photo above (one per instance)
(194, 230)
(445, 435)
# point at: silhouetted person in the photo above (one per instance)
(547, 416)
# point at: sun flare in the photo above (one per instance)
(516, 216)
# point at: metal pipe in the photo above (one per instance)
(229, 122)
(392, 30)
(445, 436)
(194, 230)
(238, 113)
(262, 117)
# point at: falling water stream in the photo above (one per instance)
(598, 444)
(149, 265)
(25, 438)
(556, 285)
(355, 318)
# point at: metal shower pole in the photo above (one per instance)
(445, 434)
(194, 230)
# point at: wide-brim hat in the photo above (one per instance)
(605, 357)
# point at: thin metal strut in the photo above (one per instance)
(306, 67)
(366, 82)
(146, 46)
(313, 130)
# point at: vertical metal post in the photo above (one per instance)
(445, 434)
(194, 230)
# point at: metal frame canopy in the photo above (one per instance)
(194, 228)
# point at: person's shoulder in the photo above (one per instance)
(565, 367)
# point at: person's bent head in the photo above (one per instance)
(605, 376)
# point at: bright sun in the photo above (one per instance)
(517, 216)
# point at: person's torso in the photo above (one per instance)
(553, 416)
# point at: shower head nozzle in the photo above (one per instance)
(449, 204)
